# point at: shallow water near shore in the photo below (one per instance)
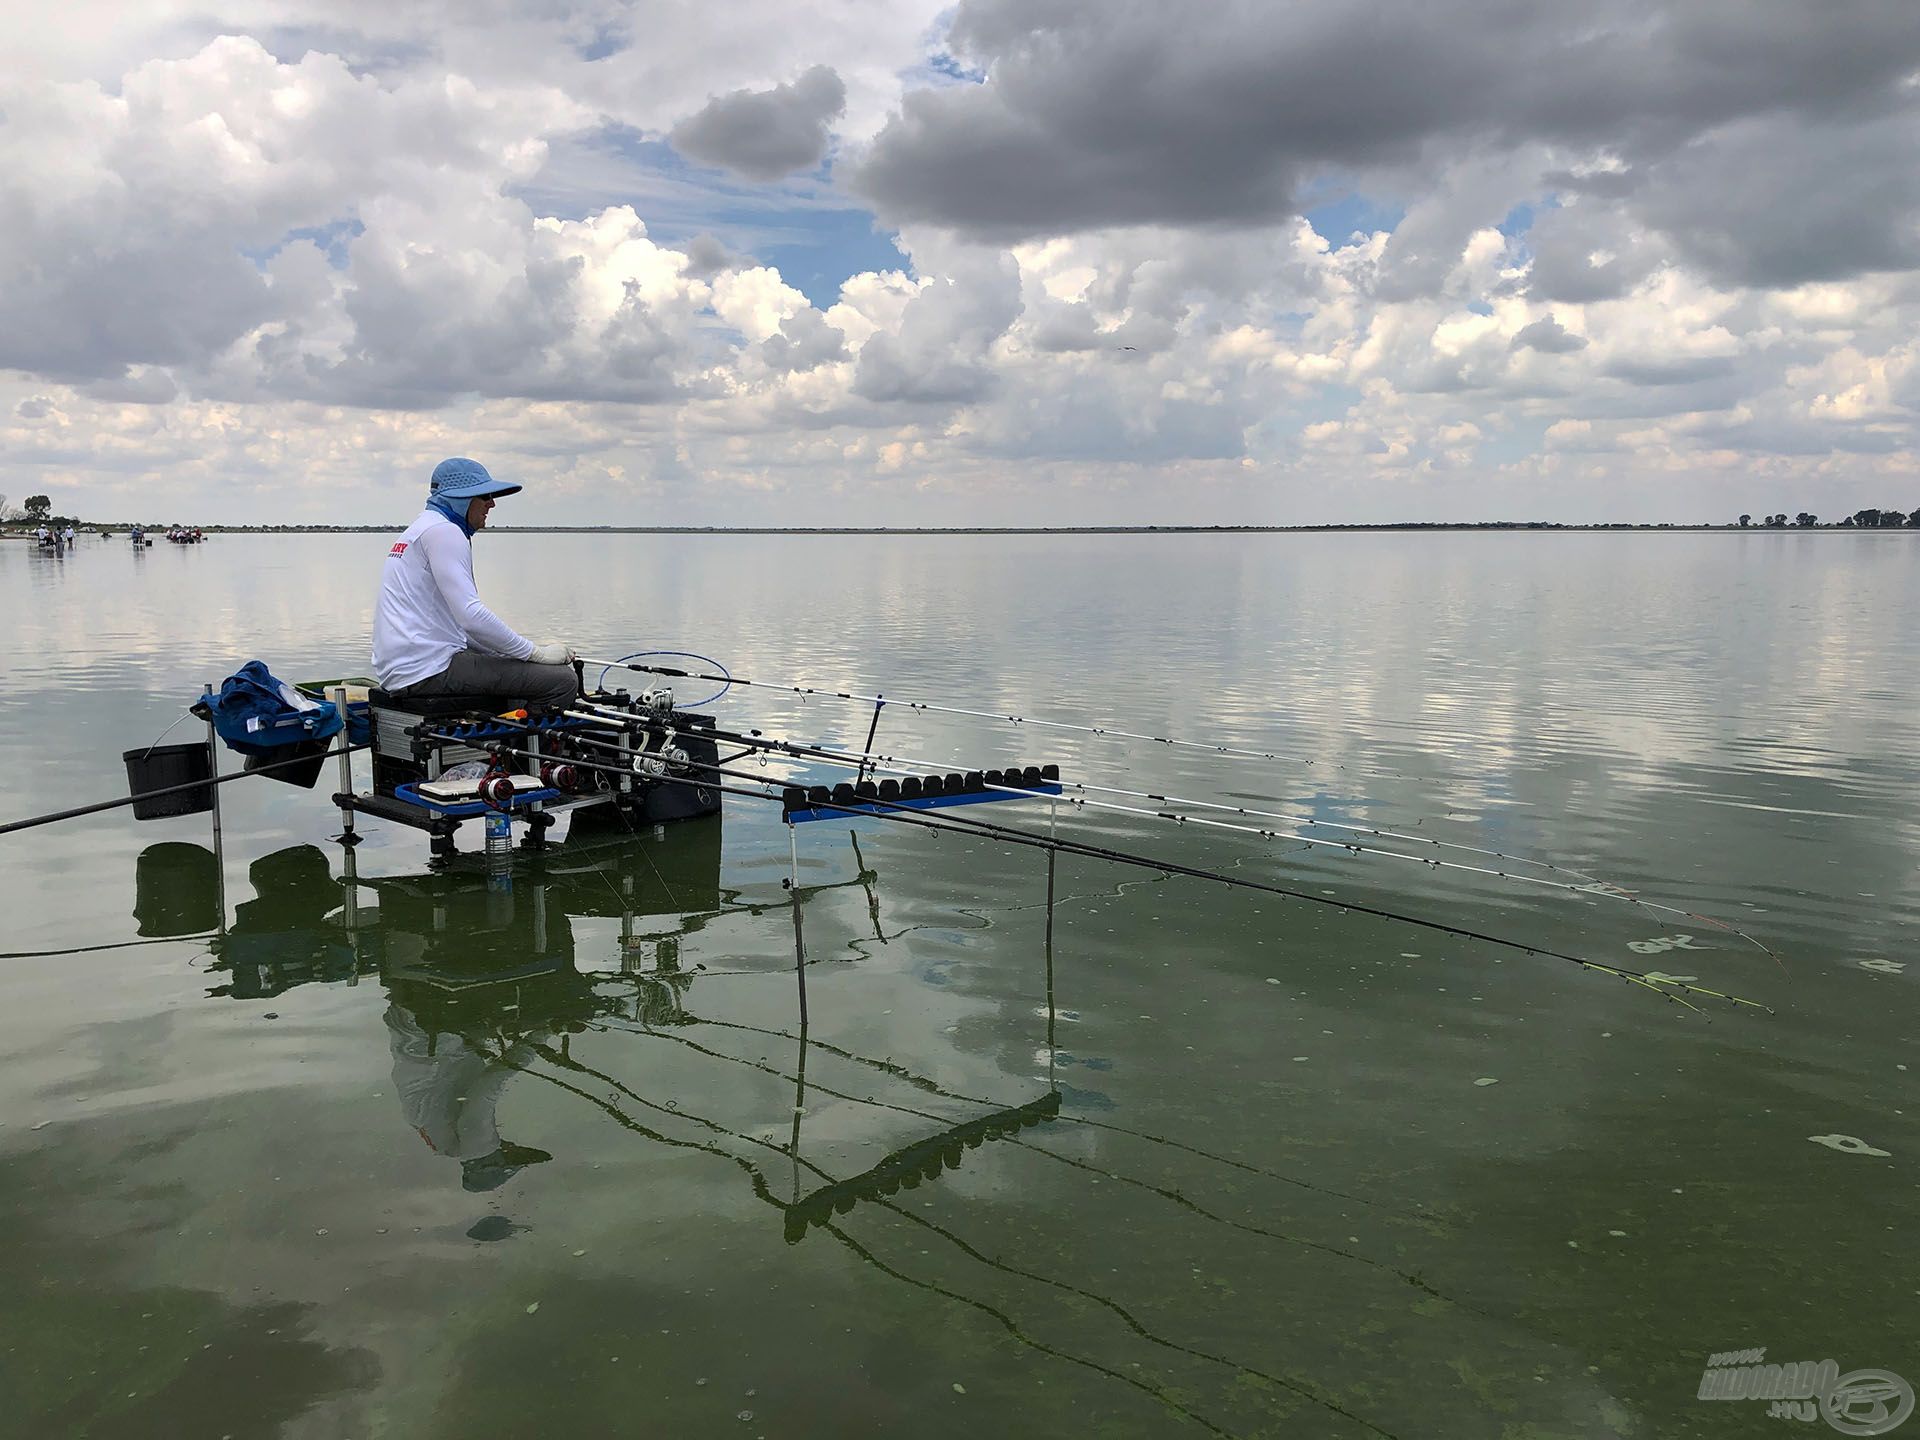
(414, 1155)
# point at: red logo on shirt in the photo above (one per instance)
(399, 548)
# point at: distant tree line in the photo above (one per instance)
(1868, 519)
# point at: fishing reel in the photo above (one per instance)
(559, 775)
(656, 764)
(656, 701)
(497, 791)
(568, 769)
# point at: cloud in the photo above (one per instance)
(937, 353)
(1099, 113)
(1571, 254)
(765, 134)
(1780, 201)
(707, 257)
(135, 212)
(1549, 335)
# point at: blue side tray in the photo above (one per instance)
(466, 809)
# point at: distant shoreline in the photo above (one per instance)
(157, 532)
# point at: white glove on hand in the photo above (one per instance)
(551, 653)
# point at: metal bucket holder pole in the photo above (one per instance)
(213, 791)
(347, 835)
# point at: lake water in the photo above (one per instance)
(1215, 1161)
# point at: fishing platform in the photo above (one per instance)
(439, 762)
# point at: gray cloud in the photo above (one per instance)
(1064, 329)
(804, 341)
(1589, 251)
(765, 134)
(1778, 201)
(1675, 370)
(1116, 112)
(1550, 336)
(708, 256)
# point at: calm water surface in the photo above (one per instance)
(447, 1162)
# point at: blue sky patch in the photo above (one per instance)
(332, 239)
(1337, 219)
(1519, 220)
(801, 226)
(841, 243)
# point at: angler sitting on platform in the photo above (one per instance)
(431, 634)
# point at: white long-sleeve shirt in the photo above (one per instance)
(449, 1091)
(429, 607)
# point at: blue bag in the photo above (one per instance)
(259, 715)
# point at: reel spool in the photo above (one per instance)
(658, 763)
(498, 792)
(559, 775)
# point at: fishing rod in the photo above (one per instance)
(806, 691)
(872, 807)
(1586, 883)
(898, 764)
(94, 809)
(1578, 882)
(1590, 885)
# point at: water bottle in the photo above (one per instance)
(499, 850)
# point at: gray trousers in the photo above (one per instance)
(497, 678)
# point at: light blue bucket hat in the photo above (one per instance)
(459, 478)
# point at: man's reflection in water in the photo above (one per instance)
(475, 979)
(449, 1089)
(477, 975)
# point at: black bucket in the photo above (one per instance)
(175, 890)
(162, 766)
(298, 763)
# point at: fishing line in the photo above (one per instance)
(1110, 732)
(906, 765)
(600, 683)
(953, 824)
(1104, 731)
(1591, 885)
